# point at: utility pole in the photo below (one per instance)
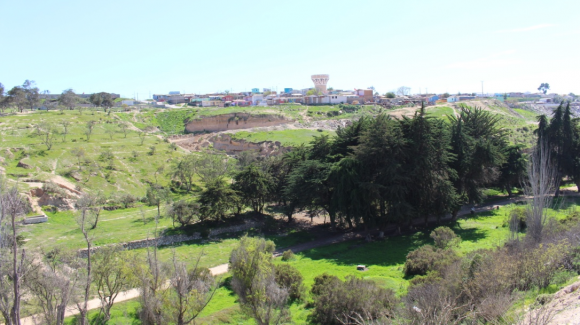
(482, 88)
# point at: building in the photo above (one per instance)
(288, 90)
(257, 99)
(320, 81)
(458, 98)
(336, 99)
(365, 95)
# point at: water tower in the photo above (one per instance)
(320, 81)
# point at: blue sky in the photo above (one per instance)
(130, 47)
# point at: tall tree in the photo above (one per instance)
(478, 143)
(68, 99)
(513, 171)
(253, 280)
(430, 190)
(254, 186)
(217, 200)
(544, 87)
(31, 94)
(102, 99)
(17, 97)
(381, 152)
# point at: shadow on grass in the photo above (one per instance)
(388, 252)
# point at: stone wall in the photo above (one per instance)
(234, 121)
(174, 239)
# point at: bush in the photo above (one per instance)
(290, 278)
(562, 276)
(517, 219)
(349, 108)
(288, 255)
(427, 258)
(444, 237)
(321, 281)
(337, 302)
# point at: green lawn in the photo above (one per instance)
(286, 137)
(440, 111)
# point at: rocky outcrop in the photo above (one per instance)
(23, 165)
(225, 142)
(234, 121)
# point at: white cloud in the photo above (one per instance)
(525, 29)
(494, 60)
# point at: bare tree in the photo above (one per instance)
(141, 136)
(52, 284)
(13, 262)
(403, 91)
(112, 275)
(89, 129)
(65, 124)
(84, 220)
(93, 204)
(190, 291)
(152, 277)
(47, 134)
(124, 127)
(79, 153)
(110, 130)
(538, 188)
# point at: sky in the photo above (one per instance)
(138, 48)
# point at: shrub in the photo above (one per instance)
(427, 258)
(338, 302)
(49, 208)
(290, 278)
(288, 255)
(321, 281)
(444, 237)
(562, 276)
(517, 219)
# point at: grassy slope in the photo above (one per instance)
(129, 175)
(286, 137)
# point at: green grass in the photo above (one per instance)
(384, 259)
(526, 114)
(17, 134)
(440, 111)
(285, 137)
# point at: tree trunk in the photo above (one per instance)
(15, 313)
(509, 190)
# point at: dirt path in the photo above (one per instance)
(564, 308)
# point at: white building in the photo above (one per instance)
(257, 99)
(334, 99)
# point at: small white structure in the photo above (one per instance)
(35, 219)
(128, 102)
(334, 99)
(257, 99)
